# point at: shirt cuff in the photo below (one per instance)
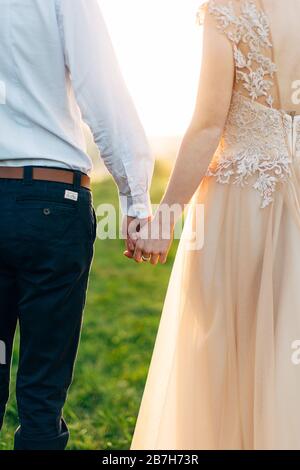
(136, 206)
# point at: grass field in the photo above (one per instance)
(121, 318)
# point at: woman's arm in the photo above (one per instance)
(203, 135)
(201, 139)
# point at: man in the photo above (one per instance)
(57, 65)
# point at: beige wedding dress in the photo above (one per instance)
(223, 374)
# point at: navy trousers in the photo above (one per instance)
(47, 234)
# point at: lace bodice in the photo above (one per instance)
(254, 144)
(258, 140)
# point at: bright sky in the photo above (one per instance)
(158, 45)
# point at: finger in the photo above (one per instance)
(154, 258)
(146, 257)
(130, 244)
(128, 254)
(163, 258)
(138, 252)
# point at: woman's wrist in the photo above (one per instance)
(166, 217)
(169, 213)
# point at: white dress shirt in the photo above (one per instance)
(58, 67)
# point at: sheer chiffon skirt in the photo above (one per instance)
(224, 372)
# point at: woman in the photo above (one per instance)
(223, 374)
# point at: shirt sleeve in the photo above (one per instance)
(105, 103)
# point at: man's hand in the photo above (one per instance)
(130, 226)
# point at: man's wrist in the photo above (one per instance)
(136, 206)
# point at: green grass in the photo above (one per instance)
(120, 323)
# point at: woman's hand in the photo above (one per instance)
(154, 240)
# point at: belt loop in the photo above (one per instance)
(27, 175)
(77, 180)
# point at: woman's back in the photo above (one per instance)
(284, 25)
(261, 136)
(264, 35)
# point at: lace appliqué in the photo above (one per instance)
(253, 145)
(250, 28)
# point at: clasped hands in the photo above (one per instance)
(148, 240)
